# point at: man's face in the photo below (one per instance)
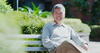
(58, 14)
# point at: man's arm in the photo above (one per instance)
(46, 38)
(75, 37)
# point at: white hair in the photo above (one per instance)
(59, 6)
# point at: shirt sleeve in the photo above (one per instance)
(76, 38)
(49, 44)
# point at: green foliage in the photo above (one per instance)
(77, 25)
(45, 14)
(4, 7)
(80, 3)
(35, 11)
(95, 33)
(8, 22)
(10, 41)
(30, 24)
(87, 8)
(22, 22)
(96, 13)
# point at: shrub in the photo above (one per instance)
(35, 10)
(10, 42)
(8, 22)
(29, 23)
(77, 25)
(4, 7)
(95, 33)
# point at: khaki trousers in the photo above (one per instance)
(65, 47)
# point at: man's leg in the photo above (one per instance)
(65, 47)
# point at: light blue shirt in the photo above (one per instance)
(53, 35)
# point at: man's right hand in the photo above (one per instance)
(85, 47)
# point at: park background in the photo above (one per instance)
(29, 16)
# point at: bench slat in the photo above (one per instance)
(35, 49)
(31, 36)
(33, 42)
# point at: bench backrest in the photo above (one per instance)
(35, 42)
(39, 42)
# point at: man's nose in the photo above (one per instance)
(59, 14)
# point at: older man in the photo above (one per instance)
(60, 38)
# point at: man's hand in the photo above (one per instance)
(85, 47)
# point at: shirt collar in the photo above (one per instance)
(54, 24)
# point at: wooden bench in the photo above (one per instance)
(35, 42)
(39, 42)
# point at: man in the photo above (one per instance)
(60, 38)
